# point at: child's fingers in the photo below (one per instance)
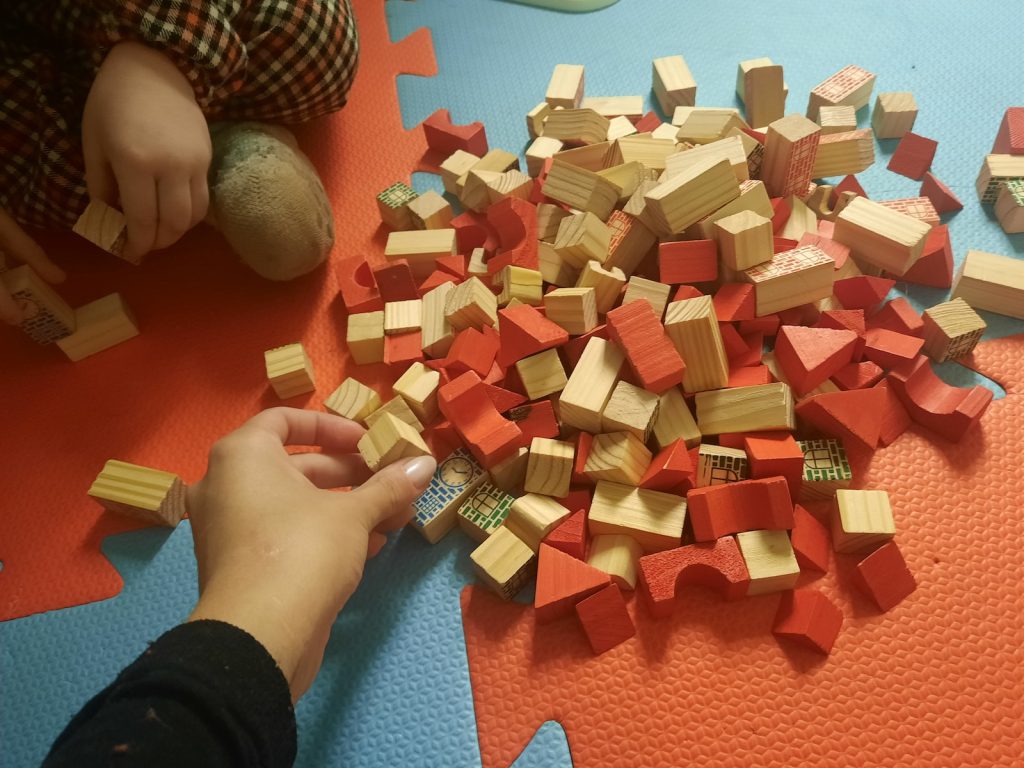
(139, 202)
(15, 242)
(390, 493)
(174, 198)
(200, 198)
(99, 180)
(376, 544)
(326, 470)
(293, 426)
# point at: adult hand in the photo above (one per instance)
(278, 553)
(17, 245)
(146, 142)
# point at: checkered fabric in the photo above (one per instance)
(271, 60)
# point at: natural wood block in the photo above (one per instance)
(653, 518)
(654, 293)
(430, 211)
(421, 248)
(533, 517)
(556, 270)
(764, 94)
(745, 239)
(686, 198)
(861, 520)
(582, 237)
(851, 85)
(353, 400)
(576, 126)
(437, 334)
(580, 188)
(618, 556)
(842, 119)
(991, 282)
(730, 148)
(894, 114)
(590, 386)
(752, 197)
(549, 219)
(619, 127)
(770, 561)
(535, 119)
(289, 370)
(475, 195)
(399, 408)
(808, 617)
(826, 469)
(455, 167)
(435, 511)
(590, 157)
(47, 316)
(484, 511)
(387, 440)
(574, 309)
(540, 150)
(631, 240)
(645, 149)
(879, 236)
(951, 330)
(365, 336)
(471, 304)
(620, 457)
(741, 75)
(140, 492)
(718, 464)
(542, 374)
(504, 563)
(565, 89)
(512, 183)
(418, 388)
(605, 619)
(393, 205)
(791, 279)
(104, 227)
(844, 153)
(790, 149)
(693, 328)
(615, 106)
(607, 284)
(672, 83)
(703, 125)
(477, 264)
(549, 469)
(746, 409)
(509, 474)
(403, 316)
(1010, 207)
(630, 409)
(884, 577)
(674, 421)
(526, 285)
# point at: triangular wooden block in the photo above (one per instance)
(851, 416)
(942, 197)
(562, 581)
(808, 356)
(571, 535)
(935, 267)
(862, 291)
(843, 319)
(525, 332)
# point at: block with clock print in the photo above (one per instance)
(436, 509)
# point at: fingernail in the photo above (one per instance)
(420, 470)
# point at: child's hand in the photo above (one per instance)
(146, 142)
(278, 556)
(15, 244)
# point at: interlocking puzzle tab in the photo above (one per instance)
(436, 510)
(145, 494)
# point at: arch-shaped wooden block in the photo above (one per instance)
(717, 565)
(932, 403)
(515, 222)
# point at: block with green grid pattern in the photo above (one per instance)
(826, 469)
(485, 511)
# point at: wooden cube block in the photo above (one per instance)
(653, 518)
(744, 240)
(139, 492)
(792, 278)
(672, 83)
(618, 556)
(471, 304)
(951, 330)
(549, 469)
(524, 285)
(991, 282)
(841, 119)
(862, 520)
(104, 227)
(403, 316)
(540, 150)
(511, 183)
(884, 577)
(418, 388)
(484, 511)
(770, 561)
(620, 457)
(607, 284)
(688, 197)
(851, 85)
(565, 89)
(455, 167)
(605, 619)
(1010, 207)
(580, 188)
(435, 511)
(388, 440)
(421, 248)
(674, 420)
(393, 204)
(746, 66)
(504, 563)
(654, 293)
(809, 618)
(650, 152)
(399, 408)
(47, 316)
(353, 400)
(533, 517)
(746, 409)
(542, 374)
(913, 156)
(693, 328)
(574, 309)
(630, 409)
(289, 370)
(718, 465)
(894, 114)
(430, 211)
(492, 164)
(582, 237)
(593, 379)
(365, 337)
(826, 469)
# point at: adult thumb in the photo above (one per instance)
(389, 494)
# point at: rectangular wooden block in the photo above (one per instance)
(770, 561)
(565, 89)
(436, 510)
(991, 282)
(653, 518)
(790, 149)
(104, 227)
(580, 188)
(840, 154)
(140, 492)
(47, 316)
(862, 520)
(484, 511)
(851, 85)
(693, 328)
(421, 248)
(791, 279)
(746, 409)
(674, 420)
(879, 236)
(672, 83)
(718, 464)
(437, 334)
(590, 386)
(365, 336)
(730, 148)
(684, 199)
(403, 316)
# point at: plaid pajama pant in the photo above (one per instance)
(271, 60)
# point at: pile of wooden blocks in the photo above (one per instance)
(1001, 178)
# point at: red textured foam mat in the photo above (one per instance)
(196, 370)
(937, 681)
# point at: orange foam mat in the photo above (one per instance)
(937, 681)
(196, 370)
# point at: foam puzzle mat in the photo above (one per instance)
(415, 666)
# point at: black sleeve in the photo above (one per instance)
(205, 694)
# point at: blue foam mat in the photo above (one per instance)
(395, 687)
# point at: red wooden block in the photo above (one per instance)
(749, 376)
(851, 416)
(899, 316)
(775, 454)
(651, 354)
(472, 350)
(395, 281)
(809, 356)
(471, 231)
(950, 411)
(490, 436)
(848, 184)
(605, 619)
(734, 301)
(434, 279)
(445, 138)
(573, 348)
(688, 261)
(535, 420)
(827, 228)
(890, 349)
(562, 581)
(670, 471)
(843, 320)
(719, 510)
(570, 536)
(497, 374)
(862, 291)
(515, 223)
(648, 122)
(783, 244)
(537, 193)
(884, 577)
(358, 289)
(838, 252)
(454, 265)
(403, 348)
(810, 541)
(858, 375)
(758, 136)
(732, 440)
(809, 618)
(935, 267)
(577, 498)
(684, 292)
(942, 197)
(780, 213)
(1010, 139)
(805, 314)
(524, 331)
(442, 438)
(717, 565)
(893, 418)
(504, 400)
(584, 440)
(754, 353)
(913, 156)
(733, 343)
(768, 325)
